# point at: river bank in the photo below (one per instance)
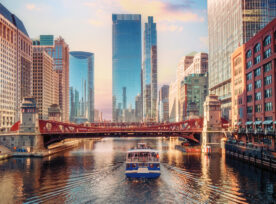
(52, 149)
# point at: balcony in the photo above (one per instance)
(269, 131)
(249, 130)
(259, 131)
(241, 130)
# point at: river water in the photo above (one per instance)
(94, 173)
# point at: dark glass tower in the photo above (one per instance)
(126, 65)
(81, 86)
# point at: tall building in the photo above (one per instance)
(193, 92)
(163, 104)
(59, 51)
(193, 63)
(126, 65)
(15, 67)
(254, 68)
(150, 71)
(173, 102)
(232, 23)
(139, 108)
(81, 85)
(43, 81)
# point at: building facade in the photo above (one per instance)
(139, 108)
(59, 51)
(81, 85)
(193, 63)
(15, 67)
(163, 104)
(193, 92)
(126, 65)
(232, 23)
(238, 82)
(150, 71)
(256, 103)
(43, 68)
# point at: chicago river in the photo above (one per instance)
(94, 172)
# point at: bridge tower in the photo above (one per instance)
(212, 127)
(29, 136)
(28, 116)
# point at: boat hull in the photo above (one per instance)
(143, 175)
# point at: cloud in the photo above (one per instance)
(204, 40)
(32, 7)
(163, 11)
(169, 27)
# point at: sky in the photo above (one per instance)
(86, 25)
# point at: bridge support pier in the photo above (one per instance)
(211, 137)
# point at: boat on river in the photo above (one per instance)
(142, 162)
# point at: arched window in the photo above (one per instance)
(248, 54)
(267, 40)
(257, 47)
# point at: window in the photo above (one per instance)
(240, 100)
(248, 64)
(258, 84)
(267, 67)
(249, 76)
(258, 108)
(241, 112)
(267, 53)
(257, 48)
(257, 72)
(249, 87)
(249, 109)
(249, 98)
(258, 96)
(257, 59)
(248, 54)
(267, 40)
(268, 80)
(268, 93)
(268, 106)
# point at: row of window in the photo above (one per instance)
(258, 108)
(257, 72)
(258, 95)
(257, 47)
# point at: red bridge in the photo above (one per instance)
(54, 131)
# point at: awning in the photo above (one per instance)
(248, 123)
(268, 122)
(258, 122)
(238, 123)
(275, 122)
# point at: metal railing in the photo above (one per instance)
(142, 159)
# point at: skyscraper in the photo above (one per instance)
(59, 51)
(232, 23)
(163, 104)
(126, 64)
(82, 85)
(15, 67)
(150, 70)
(43, 81)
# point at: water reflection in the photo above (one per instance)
(94, 173)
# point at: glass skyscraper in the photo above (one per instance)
(126, 65)
(81, 79)
(150, 71)
(232, 23)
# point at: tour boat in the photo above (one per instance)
(142, 162)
